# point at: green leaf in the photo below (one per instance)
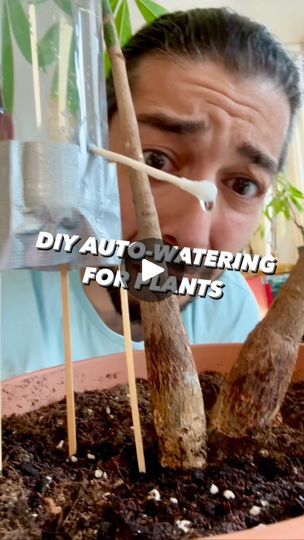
(54, 87)
(107, 63)
(295, 192)
(123, 23)
(72, 91)
(287, 211)
(150, 10)
(114, 4)
(48, 47)
(21, 28)
(266, 213)
(7, 62)
(277, 205)
(297, 204)
(65, 5)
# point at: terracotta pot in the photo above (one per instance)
(29, 392)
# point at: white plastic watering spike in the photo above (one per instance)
(204, 190)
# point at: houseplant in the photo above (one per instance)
(287, 201)
(285, 204)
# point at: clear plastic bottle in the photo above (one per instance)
(52, 107)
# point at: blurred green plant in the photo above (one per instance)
(16, 26)
(149, 10)
(287, 200)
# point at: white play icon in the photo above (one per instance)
(149, 270)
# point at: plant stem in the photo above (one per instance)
(178, 405)
(258, 381)
(297, 224)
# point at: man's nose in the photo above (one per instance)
(185, 223)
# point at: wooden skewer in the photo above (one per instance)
(131, 380)
(70, 399)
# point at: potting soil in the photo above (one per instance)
(100, 494)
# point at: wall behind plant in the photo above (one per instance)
(286, 19)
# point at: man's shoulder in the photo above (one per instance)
(229, 318)
(30, 303)
(236, 286)
(25, 281)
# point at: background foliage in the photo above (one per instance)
(16, 27)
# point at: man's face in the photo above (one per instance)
(200, 121)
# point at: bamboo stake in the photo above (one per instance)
(258, 381)
(131, 380)
(179, 414)
(70, 399)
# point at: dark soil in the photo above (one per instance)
(44, 495)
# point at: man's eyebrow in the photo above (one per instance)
(170, 124)
(182, 126)
(258, 157)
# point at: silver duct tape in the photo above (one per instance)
(54, 187)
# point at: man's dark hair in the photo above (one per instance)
(240, 44)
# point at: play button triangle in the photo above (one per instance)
(149, 270)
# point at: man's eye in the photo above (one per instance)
(158, 160)
(244, 187)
